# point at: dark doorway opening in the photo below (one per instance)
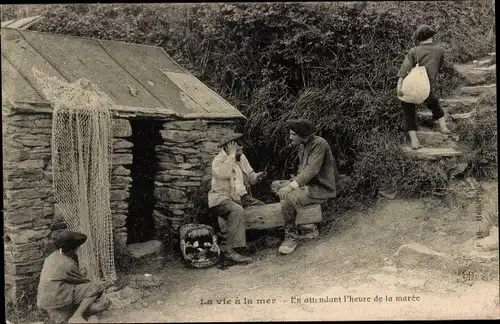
(145, 137)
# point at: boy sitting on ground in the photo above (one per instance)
(67, 295)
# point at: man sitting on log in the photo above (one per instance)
(67, 295)
(232, 176)
(317, 179)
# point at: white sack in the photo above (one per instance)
(416, 86)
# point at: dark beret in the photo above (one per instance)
(69, 240)
(302, 127)
(423, 32)
(231, 138)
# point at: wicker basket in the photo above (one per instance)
(190, 232)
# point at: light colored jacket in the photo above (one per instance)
(230, 179)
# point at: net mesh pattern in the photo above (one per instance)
(81, 163)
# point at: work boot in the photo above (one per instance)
(309, 232)
(290, 243)
(236, 257)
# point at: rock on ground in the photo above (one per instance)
(415, 255)
(490, 243)
(139, 250)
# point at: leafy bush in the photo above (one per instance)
(481, 134)
(334, 63)
(382, 164)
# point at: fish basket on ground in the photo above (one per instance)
(199, 245)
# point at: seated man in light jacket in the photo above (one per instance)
(232, 176)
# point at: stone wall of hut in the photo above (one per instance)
(28, 202)
(31, 217)
(185, 169)
(30, 214)
(121, 181)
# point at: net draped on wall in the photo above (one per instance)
(81, 163)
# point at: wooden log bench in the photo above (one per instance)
(269, 216)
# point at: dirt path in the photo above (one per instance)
(351, 262)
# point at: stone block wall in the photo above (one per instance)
(185, 163)
(30, 216)
(28, 202)
(182, 182)
(121, 181)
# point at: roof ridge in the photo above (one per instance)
(82, 37)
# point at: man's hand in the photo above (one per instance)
(261, 176)
(283, 192)
(245, 198)
(232, 148)
(399, 86)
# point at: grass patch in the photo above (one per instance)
(480, 132)
(470, 272)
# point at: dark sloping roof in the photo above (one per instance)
(132, 75)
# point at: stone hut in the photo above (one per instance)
(166, 127)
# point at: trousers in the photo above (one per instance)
(410, 111)
(294, 200)
(81, 291)
(233, 213)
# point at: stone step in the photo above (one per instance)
(479, 89)
(426, 116)
(477, 75)
(487, 61)
(435, 139)
(432, 153)
(468, 115)
(459, 105)
(139, 250)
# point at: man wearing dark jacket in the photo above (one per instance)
(317, 179)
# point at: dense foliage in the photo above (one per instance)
(334, 63)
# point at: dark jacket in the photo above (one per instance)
(317, 169)
(60, 274)
(429, 55)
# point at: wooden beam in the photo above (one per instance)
(44, 107)
(269, 216)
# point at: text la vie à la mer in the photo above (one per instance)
(238, 301)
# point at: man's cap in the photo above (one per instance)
(230, 138)
(69, 240)
(302, 127)
(423, 32)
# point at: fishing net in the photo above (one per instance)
(81, 161)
